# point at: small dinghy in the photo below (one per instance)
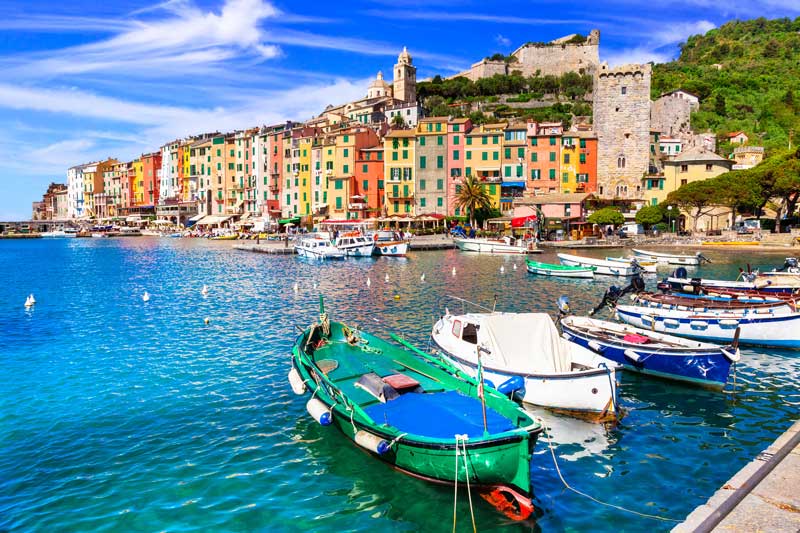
(651, 353)
(523, 354)
(416, 413)
(601, 266)
(648, 267)
(559, 271)
(671, 259)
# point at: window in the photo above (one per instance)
(507, 171)
(422, 202)
(396, 206)
(583, 143)
(485, 156)
(469, 155)
(346, 151)
(521, 153)
(338, 185)
(534, 157)
(380, 184)
(621, 161)
(469, 141)
(422, 185)
(438, 126)
(346, 139)
(582, 158)
(439, 139)
(456, 140)
(338, 202)
(507, 153)
(405, 143)
(552, 173)
(552, 141)
(422, 140)
(456, 127)
(470, 333)
(394, 145)
(405, 154)
(484, 139)
(684, 168)
(495, 139)
(536, 174)
(440, 184)
(624, 90)
(439, 202)
(365, 185)
(493, 189)
(345, 169)
(394, 156)
(534, 141)
(395, 190)
(455, 155)
(684, 181)
(709, 167)
(566, 159)
(439, 161)
(552, 156)
(423, 161)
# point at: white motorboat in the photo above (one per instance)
(602, 266)
(671, 259)
(317, 246)
(389, 243)
(524, 354)
(355, 244)
(648, 267)
(504, 245)
(99, 235)
(58, 234)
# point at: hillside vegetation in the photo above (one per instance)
(747, 75)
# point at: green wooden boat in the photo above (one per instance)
(561, 271)
(414, 411)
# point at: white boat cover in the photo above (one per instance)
(527, 342)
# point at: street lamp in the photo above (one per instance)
(669, 218)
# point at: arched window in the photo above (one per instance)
(621, 161)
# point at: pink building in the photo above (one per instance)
(456, 128)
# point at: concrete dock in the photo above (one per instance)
(762, 496)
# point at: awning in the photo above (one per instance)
(133, 218)
(210, 220)
(514, 184)
(521, 222)
(293, 220)
(161, 221)
(194, 218)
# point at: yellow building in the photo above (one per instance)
(322, 187)
(482, 154)
(304, 176)
(570, 154)
(692, 165)
(138, 183)
(398, 171)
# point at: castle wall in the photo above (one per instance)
(671, 114)
(622, 122)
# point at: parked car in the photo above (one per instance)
(628, 230)
(751, 225)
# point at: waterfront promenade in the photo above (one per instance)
(762, 496)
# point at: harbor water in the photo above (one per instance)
(123, 415)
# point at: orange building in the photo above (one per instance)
(151, 172)
(369, 179)
(544, 157)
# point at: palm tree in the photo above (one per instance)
(473, 196)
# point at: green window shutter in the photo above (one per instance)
(565, 177)
(534, 156)
(346, 139)
(495, 156)
(455, 155)
(338, 202)
(365, 168)
(654, 201)
(338, 184)
(458, 211)
(346, 169)
(422, 202)
(346, 152)
(394, 156)
(661, 184)
(521, 152)
(469, 141)
(455, 140)
(422, 140)
(395, 190)
(493, 189)
(484, 139)
(507, 153)
(469, 155)
(423, 161)
(495, 139)
(395, 144)
(582, 158)
(583, 143)
(439, 140)
(405, 143)
(405, 191)
(422, 185)
(508, 171)
(552, 156)
(439, 202)
(566, 158)
(534, 141)
(552, 141)
(552, 173)
(468, 171)
(485, 156)
(380, 184)
(456, 127)
(365, 185)
(439, 161)
(405, 154)
(438, 126)
(440, 184)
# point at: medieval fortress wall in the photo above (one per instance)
(554, 58)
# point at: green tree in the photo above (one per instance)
(649, 215)
(472, 197)
(398, 122)
(606, 215)
(696, 197)
(720, 106)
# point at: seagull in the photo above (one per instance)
(204, 291)
(422, 277)
(369, 282)
(146, 296)
(454, 271)
(386, 278)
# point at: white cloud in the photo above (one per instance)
(658, 45)
(502, 41)
(478, 17)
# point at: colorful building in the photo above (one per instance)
(514, 165)
(151, 175)
(430, 194)
(456, 143)
(484, 146)
(544, 157)
(399, 171)
(369, 180)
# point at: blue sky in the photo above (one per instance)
(87, 80)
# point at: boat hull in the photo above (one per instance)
(707, 367)
(670, 259)
(575, 272)
(492, 247)
(691, 285)
(391, 249)
(781, 330)
(362, 250)
(648, 267)
(607, 268)
(333, 254)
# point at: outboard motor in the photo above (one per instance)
(614, 293)
(680, 273)
(790, 265)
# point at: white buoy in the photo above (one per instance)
(29, 301)
(33, 300)
(386, 278)
(315, 285)
(369, 282)
(502, 268)
(146, 296)
(515, 266)
(296, 287)
(204, 291)
(206, 321)
(422, 277)
(454, 271)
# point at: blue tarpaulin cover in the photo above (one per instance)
(439, 415)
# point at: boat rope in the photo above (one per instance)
(455, 484)
(463, 440)
(592, 498)
(325, 322)
(611, 385)
(397, 438)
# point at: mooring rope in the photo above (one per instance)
(466, 470)
(576, 491)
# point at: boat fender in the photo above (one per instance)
(372, 442)
(298, 386)
(511, 385)
(633, 356)
(596, 346)
(319, 412)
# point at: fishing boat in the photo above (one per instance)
(671, 259)
(601, 266)
(317, 246)
(701, 303)
(651, 353)
(355, 244)
(504, 245)
(523, 354)
(648, 267)
(416, 413)
(559, 271)
(389, 243)
(58, 234)
(679, 282)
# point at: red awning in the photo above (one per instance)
(520, 222)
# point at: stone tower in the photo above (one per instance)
(622, 122)
(405, 78)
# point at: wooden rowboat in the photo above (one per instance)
(416, 413)
(560, 271)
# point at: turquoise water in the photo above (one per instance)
(121, 415)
